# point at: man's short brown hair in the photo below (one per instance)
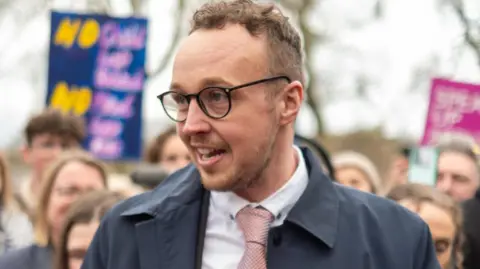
(53, 121)
(284, 44)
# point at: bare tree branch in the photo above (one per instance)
(174, 40)
(459, 8)
(310, 39)
(99, 6)
(136, 5)
(422, 74)
(23, 17)
(4, 4)
(302, 8)
(378, 9)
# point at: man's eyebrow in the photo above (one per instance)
(204, 83)
(216, 81)
(174, 86)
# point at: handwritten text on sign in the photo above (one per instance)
(106, 57)
(454, 107)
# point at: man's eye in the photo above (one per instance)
(441, 245)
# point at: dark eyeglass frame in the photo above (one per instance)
(228, 91)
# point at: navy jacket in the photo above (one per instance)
(471, 212)
(331, 226)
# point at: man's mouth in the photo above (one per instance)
(208, 154)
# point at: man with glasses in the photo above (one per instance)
(251, 200)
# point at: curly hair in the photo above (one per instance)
(283, 41)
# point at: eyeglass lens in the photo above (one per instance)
(215, 102)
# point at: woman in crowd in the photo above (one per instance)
(168, 151)
(73, 174)
(15, 227)
(357, 171)
(80, 224)
(443, 216)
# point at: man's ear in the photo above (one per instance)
(292, 100)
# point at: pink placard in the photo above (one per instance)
(454, 107)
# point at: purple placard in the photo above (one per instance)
(454, 107)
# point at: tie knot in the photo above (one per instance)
(254, 223)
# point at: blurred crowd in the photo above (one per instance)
(48, 221)
(52, 216)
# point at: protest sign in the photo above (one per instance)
(454, 108)
(97, 70)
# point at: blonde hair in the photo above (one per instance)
(361, 162)
(42, 233)
(7, 201)
(418, 194)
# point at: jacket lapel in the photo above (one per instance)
(169, 242)
(166, 231)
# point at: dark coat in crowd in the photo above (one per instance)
(331, 226)
(28, 258)
(472, 232)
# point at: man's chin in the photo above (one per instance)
(217, 182)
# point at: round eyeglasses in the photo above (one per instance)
(215, 102)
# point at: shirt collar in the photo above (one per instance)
(279, 204)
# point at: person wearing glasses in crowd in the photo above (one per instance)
(71, 175)
(252, 200)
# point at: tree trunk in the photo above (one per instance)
(174, 39)
(302, 9)
(459, 8)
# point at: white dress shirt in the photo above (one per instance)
(224, 244)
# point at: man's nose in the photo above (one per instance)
(196, 120)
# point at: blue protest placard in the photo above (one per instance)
(97, 70)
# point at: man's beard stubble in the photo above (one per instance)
(240, 179)
(247, 179)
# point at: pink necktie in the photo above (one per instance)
(254, 223)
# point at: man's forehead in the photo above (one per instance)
(454, 158)
(52, 136)
(459, 164)
(206, 58)
(215, 45)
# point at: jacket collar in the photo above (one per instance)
(166, 226)
(317, 210)
(180, 188)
